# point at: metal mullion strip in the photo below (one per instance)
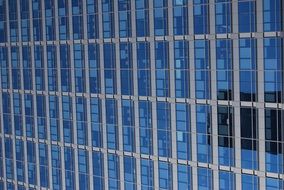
(236, 90)
(1, 111)
(74, 120)
(237, 119)
(151, 39)
(59, 95)
(192, 96)
(102, 90)
(87, 97)
(213, 85)
(2, 135)
(19, 45)
(19, 23)
(31, 46)
(36, 140)
(89, 144)
(56, 22)
(2, 142)
(172, 93)
(155, 145)
(43, 47)
(102, 93)
(46, 95)
(73, 95)
(48, 130)
(170, 17)
(118, 92)
(135, 93)
(260, 95)
(174, 143)
(12, 137)
(61, 143)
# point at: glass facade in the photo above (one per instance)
(141, 94)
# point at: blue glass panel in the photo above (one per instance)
(110, 68)
(223, 16)
(37, 23)
(201, 17)
(4, 68)
(98, 168)
(204, 178)
(272, 15)
(147, 174)
(31, 159)
(145, 123)
(184, 176)
(129, 173)
(49, 20)
(3, 32)
(124, 15)
(202, 72)
(274, 140)
(27, 68)
(180, 19)
(273, 82)
(181, 69)
(250, 182)
(108, 18)
(20, 163)
(43, 162)
(144, 69)
(83, 169)
(79, 65)
(226, 180)
(15, 63)
(9, 158)
(69, 168)
(274, 184)
(225, 136)
(160, 18)
(249, 138)
(94, 66)
(63, 19)
(113, 171)
(92, 26)
(96, 122)
(224, 69)
(142, 18)
(164, 129)
(248, 69)
(165, 175)
(162, 69)
(111, 123)
(52, 68)
(81, 117)
(247, 16)
(128, 125)
(203, 128)
(67, 117)
(56, 164)
(183, 131)
(126, 71)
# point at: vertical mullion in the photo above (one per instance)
(260, 94)
(192, 96)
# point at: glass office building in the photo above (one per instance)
(141, 94)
